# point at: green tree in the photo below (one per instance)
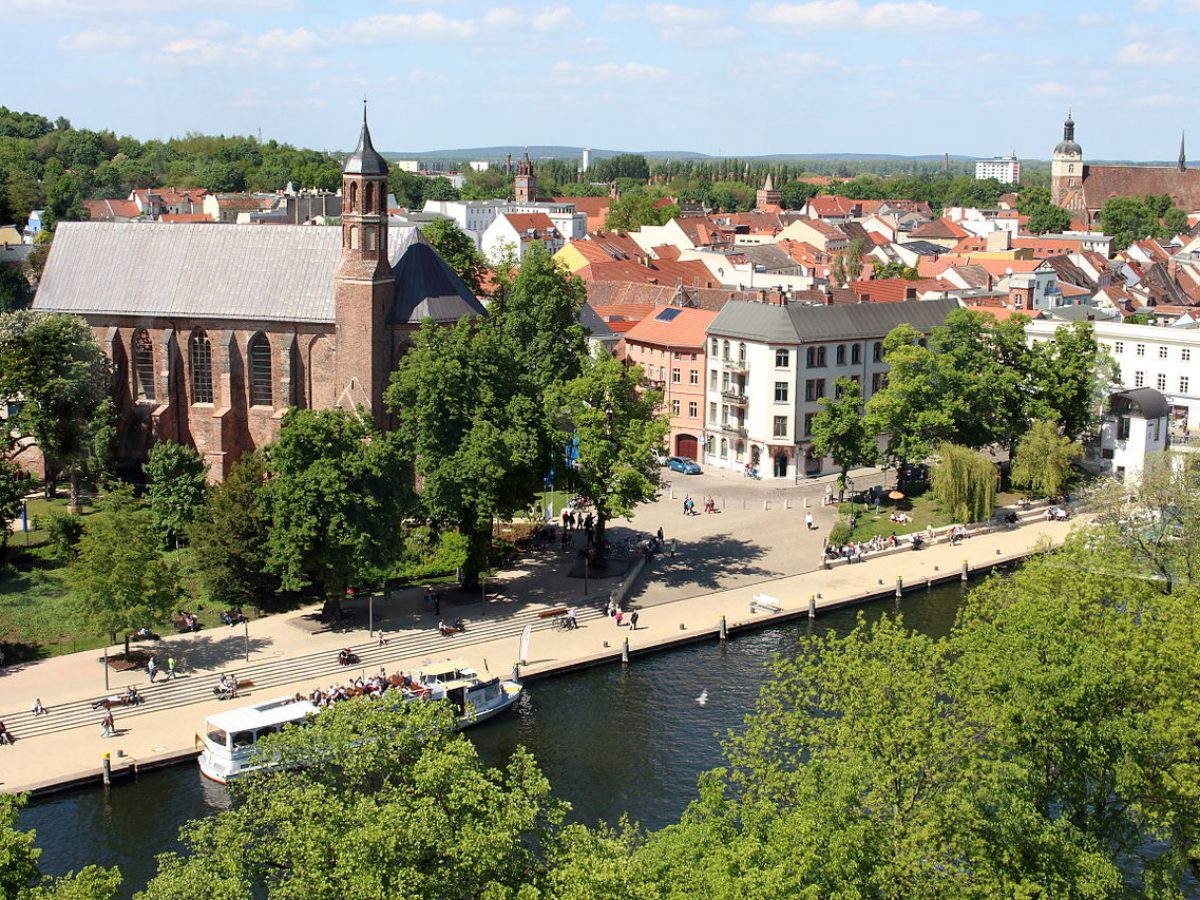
(1072, 375)
(614, 427)
(51, 361)
(839, 430)
(337, 492)
(1043, 460)
(795, 194)
(21, 877)
(855, 251)
(428, 818)
(11, 492)
(964, 483)
(15, 291)
(64, 531)
(119, 580)
(458, 250)
(895, 269)
(471, 421)
(230, 539)
(438, 189)
(1048, 219)
(178, 486)
(632, 211)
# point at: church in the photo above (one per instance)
(1083, 189)
(215, 331)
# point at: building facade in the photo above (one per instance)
(1005, 169)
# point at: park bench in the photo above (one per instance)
(551, 613)
(766, 601)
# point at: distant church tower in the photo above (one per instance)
(525, 187)
(1066, 166)
(767, 195)
(364, 285)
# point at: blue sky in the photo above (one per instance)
(903, 76)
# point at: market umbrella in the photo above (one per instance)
(896, 495)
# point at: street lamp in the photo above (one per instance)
(246, 626)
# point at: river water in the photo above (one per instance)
(612, 740)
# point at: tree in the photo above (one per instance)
(178, 485)
(337, 492)
(839, 430)
(855, 251)
(230, 538)
(795, 194)
(428, 818)
(11, 492)
(1130, 219)
(119, 580)
(21, 877)
(1043, 460)
(51, 361)
(1072, 375)
(964, 483)
(472, 424)
(894, 269)
(438, 189)
(1047, 219)
(458, 250)
(15, 291)
(632, 211)
(613, 427)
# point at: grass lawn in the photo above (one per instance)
(924, 510)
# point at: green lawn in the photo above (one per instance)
(924, 510)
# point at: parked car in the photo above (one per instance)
(659, 457)
(684, 465)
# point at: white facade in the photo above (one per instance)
(502, 236)
(1005, 169)
(1166, 359)
(476, 216)
(1128, 433)
(406, 165)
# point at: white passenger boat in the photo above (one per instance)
(229, 737)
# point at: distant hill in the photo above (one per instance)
(558, 152)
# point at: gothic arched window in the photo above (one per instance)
(260, 370)
(143, 365)
(353, 196)
(200, 364)
(353, 237)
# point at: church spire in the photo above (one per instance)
(1069, 128)
(1182, 155)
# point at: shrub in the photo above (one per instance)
(64, 530)
(840, 533)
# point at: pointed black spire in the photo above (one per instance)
(365, 160)
(1182, 155)
(1069, 128)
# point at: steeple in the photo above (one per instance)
(525, 185)
(769, 184)
(365, 160)
(1182, 155)
(1069, 128)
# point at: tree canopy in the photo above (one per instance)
(840, 430)
(178, 488)
(459, 252)
(1043, 460)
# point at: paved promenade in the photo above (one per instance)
(679, 598)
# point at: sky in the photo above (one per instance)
(977, 78)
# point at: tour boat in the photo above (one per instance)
(229, 737)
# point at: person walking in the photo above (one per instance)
(437, 603)
(171, 668)
(660, 537)
(633, 619)
(674, 545)
(808, 521)
(107, 726)
(152, 668)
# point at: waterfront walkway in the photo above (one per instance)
(288, 654)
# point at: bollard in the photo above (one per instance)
(806, 503)
(724, 630)
(812, 606)
(766, 504)
(787, 502)
(964, 570)
(106, 769)
(625, 652)
(899, 586)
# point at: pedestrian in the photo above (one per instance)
(808, 521)
(674, 545)
(618, 616)
(38, 709)
(633, 617)
(660, 536)
(382, 638)
(437, 603)
(152, 668)
(107, 725)
(171, 668)
(686, 501)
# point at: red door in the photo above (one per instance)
(687, 445)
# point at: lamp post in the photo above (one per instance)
(586, 559)
(246, 626)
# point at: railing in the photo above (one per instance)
(732, 365)
(733, 428)
(735, 397)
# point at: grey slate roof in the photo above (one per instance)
(796, 324)
(925, 248)
(203, 271)
(1149, 402)
(427, 288)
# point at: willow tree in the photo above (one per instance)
(964, 483)
(1043, 459)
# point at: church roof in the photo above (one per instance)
(427, 288)
(365, 160)
(1102, 183)
(281, 273)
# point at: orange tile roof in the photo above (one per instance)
(101, 210)
(894, 290)
(686, 328)
(622, 317)
(939, 228)
(177, 218)
(929, 267)
(532, 226)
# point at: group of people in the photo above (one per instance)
(854, 551)
(131, 697)
(614, 611)
(575, 519)
(958, 534)
(374, 686)
(901, 518)
(152, 669)
(226, 687)
(347, 657)
(457, 626)
(233, 616)
(187, 621)
(1057, 513)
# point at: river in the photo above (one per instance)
(612, 740)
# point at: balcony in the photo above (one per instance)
(736, 428)
(732, 365)
(735, 398)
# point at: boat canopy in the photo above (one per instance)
(263, 715)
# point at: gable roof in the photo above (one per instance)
(1102, 183)
(794, 323)
(427, 288)
(283, 274)
(673, 326)
(940, 229)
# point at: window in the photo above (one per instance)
(143, 365)
(855, 354)
(779, 428)
(1162, 352)
(808, 420)
(810, 357)
(1183, 384)
(742, 354)
(710, 445)
(781, 392)
(877, 351)
(353, 196)
(1119, 347)
(814, 389)
(712, 379)
(712, 411)
(676, 376)
(715, 347)
(1139, 379)
(781, 359)
(260, 370)
(353, 237)
(841, 354)
(200, 364)
(693, 376)
(820, 356)
(725, 348)
(1186, 355)
(878, 382)
(725, 381)
(1123, 428)
(724, 448)
(674, 407)
(1161, 382)
(693, 409)
(1140, 350)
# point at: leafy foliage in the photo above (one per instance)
(839, 430)
(458, 250)
(64, 531)
(11, 491)
(1130, 219)
(964, 483)
(631, 211)
(1043, 460)
(178, 488)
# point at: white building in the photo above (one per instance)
(515, 232)
(769, 366)
(479, 165)
(1134, 425)
(406, 165)
(475, 216)
(1149, 356)
(1005, 169)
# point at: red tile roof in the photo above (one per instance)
(532, 226)
(940, 229)
(621, 318)
(686, 328)
(894, 290)
(177, 218)
(109, 210)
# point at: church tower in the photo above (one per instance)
(364, 284)
(1066, 166)
(767, 195)
(525, 187)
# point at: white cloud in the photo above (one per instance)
(1140, 53)
(424, 76)
(407, 27)
(1050, 89)
(111, 38)
(280, 41)
(691, 26)
(503, 17)
(75, 9)
(199, 52)
(574, 73)
(907, 15)
(248, 98)
(1159, 100)
(554, 18)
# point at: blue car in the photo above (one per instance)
(684, 465)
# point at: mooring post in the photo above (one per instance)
(724, 632)
(106, 769)
(899, 586)
(812, 606)
(964, 570)
(625, 652)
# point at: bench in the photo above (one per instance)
(551, 613)
(766, 601)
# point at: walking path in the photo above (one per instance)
(64, 746)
